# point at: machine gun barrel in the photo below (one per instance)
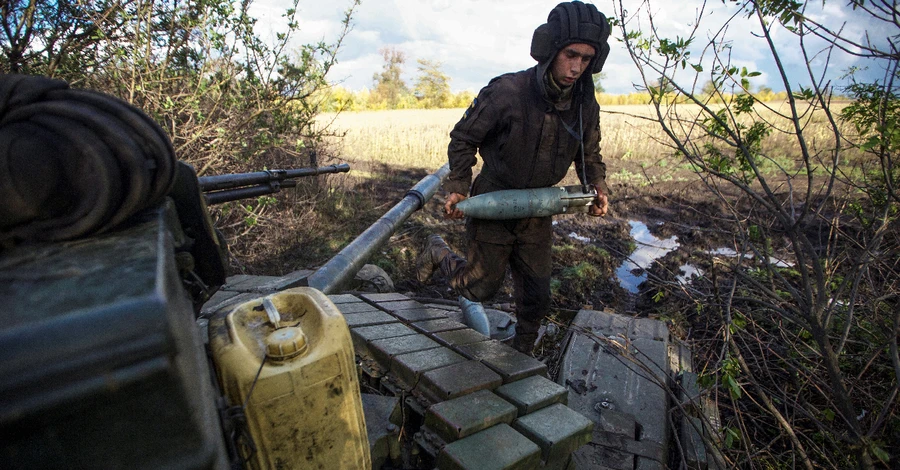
(236, 194)
(225, 188)
(237, 180)
(523, 203)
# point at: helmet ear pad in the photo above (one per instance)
(600, 59)
(543, 43)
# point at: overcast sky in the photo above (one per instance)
(478, 40)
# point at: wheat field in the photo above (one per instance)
(632, 139)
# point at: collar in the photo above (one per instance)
(559, 96)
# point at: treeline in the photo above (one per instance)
(342, 99)
(431, 90)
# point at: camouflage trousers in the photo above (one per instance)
(523, 246)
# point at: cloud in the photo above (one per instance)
(476, 40)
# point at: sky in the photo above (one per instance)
(478, 40)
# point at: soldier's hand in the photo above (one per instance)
(600, 206)
(450, 210)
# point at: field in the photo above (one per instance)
(419, 138)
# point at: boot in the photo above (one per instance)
(526, 335)
(434, 250)
(524, 343)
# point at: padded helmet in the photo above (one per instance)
(568, 23)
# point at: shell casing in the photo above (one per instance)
(523, 203)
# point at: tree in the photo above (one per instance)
(229, 101)
(709, 88)
(389, 86)
(224, 95)
(598, 87)
(805, 351)
(432, 85)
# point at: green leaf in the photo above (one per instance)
(697, 67)
(879, 453)
(731, 436)
(734, 388)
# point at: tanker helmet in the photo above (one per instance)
(568, 23)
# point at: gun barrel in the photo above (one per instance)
(343, 266)
(524, 203)
(228, 195)
(237, 180)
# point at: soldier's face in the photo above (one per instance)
(570, 62)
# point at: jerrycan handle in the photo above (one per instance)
(272, 312)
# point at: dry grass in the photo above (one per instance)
(415, 138)
(419, 138)
(636, 150)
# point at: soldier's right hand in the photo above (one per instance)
(450, 210)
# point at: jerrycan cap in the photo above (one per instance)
(285, 343)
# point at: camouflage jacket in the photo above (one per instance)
(522, 137)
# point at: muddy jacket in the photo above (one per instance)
(522, 137)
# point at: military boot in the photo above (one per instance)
(524, 343)
(435, 250)
(526, 336)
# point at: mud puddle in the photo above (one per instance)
(633, 270)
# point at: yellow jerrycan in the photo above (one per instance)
(288, 359)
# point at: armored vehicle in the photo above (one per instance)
(126, 345)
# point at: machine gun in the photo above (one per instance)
(225, 188)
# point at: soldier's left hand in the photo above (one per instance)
(600, 206)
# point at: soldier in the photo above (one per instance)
(529, 127)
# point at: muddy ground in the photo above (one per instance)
(591, 255)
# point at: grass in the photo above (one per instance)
(419, 139)
(633, 145)
(406, 138)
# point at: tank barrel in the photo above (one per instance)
(523, 203)
(344, 265)
(237, 180)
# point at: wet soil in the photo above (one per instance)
(678, 208)
(587, 251)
